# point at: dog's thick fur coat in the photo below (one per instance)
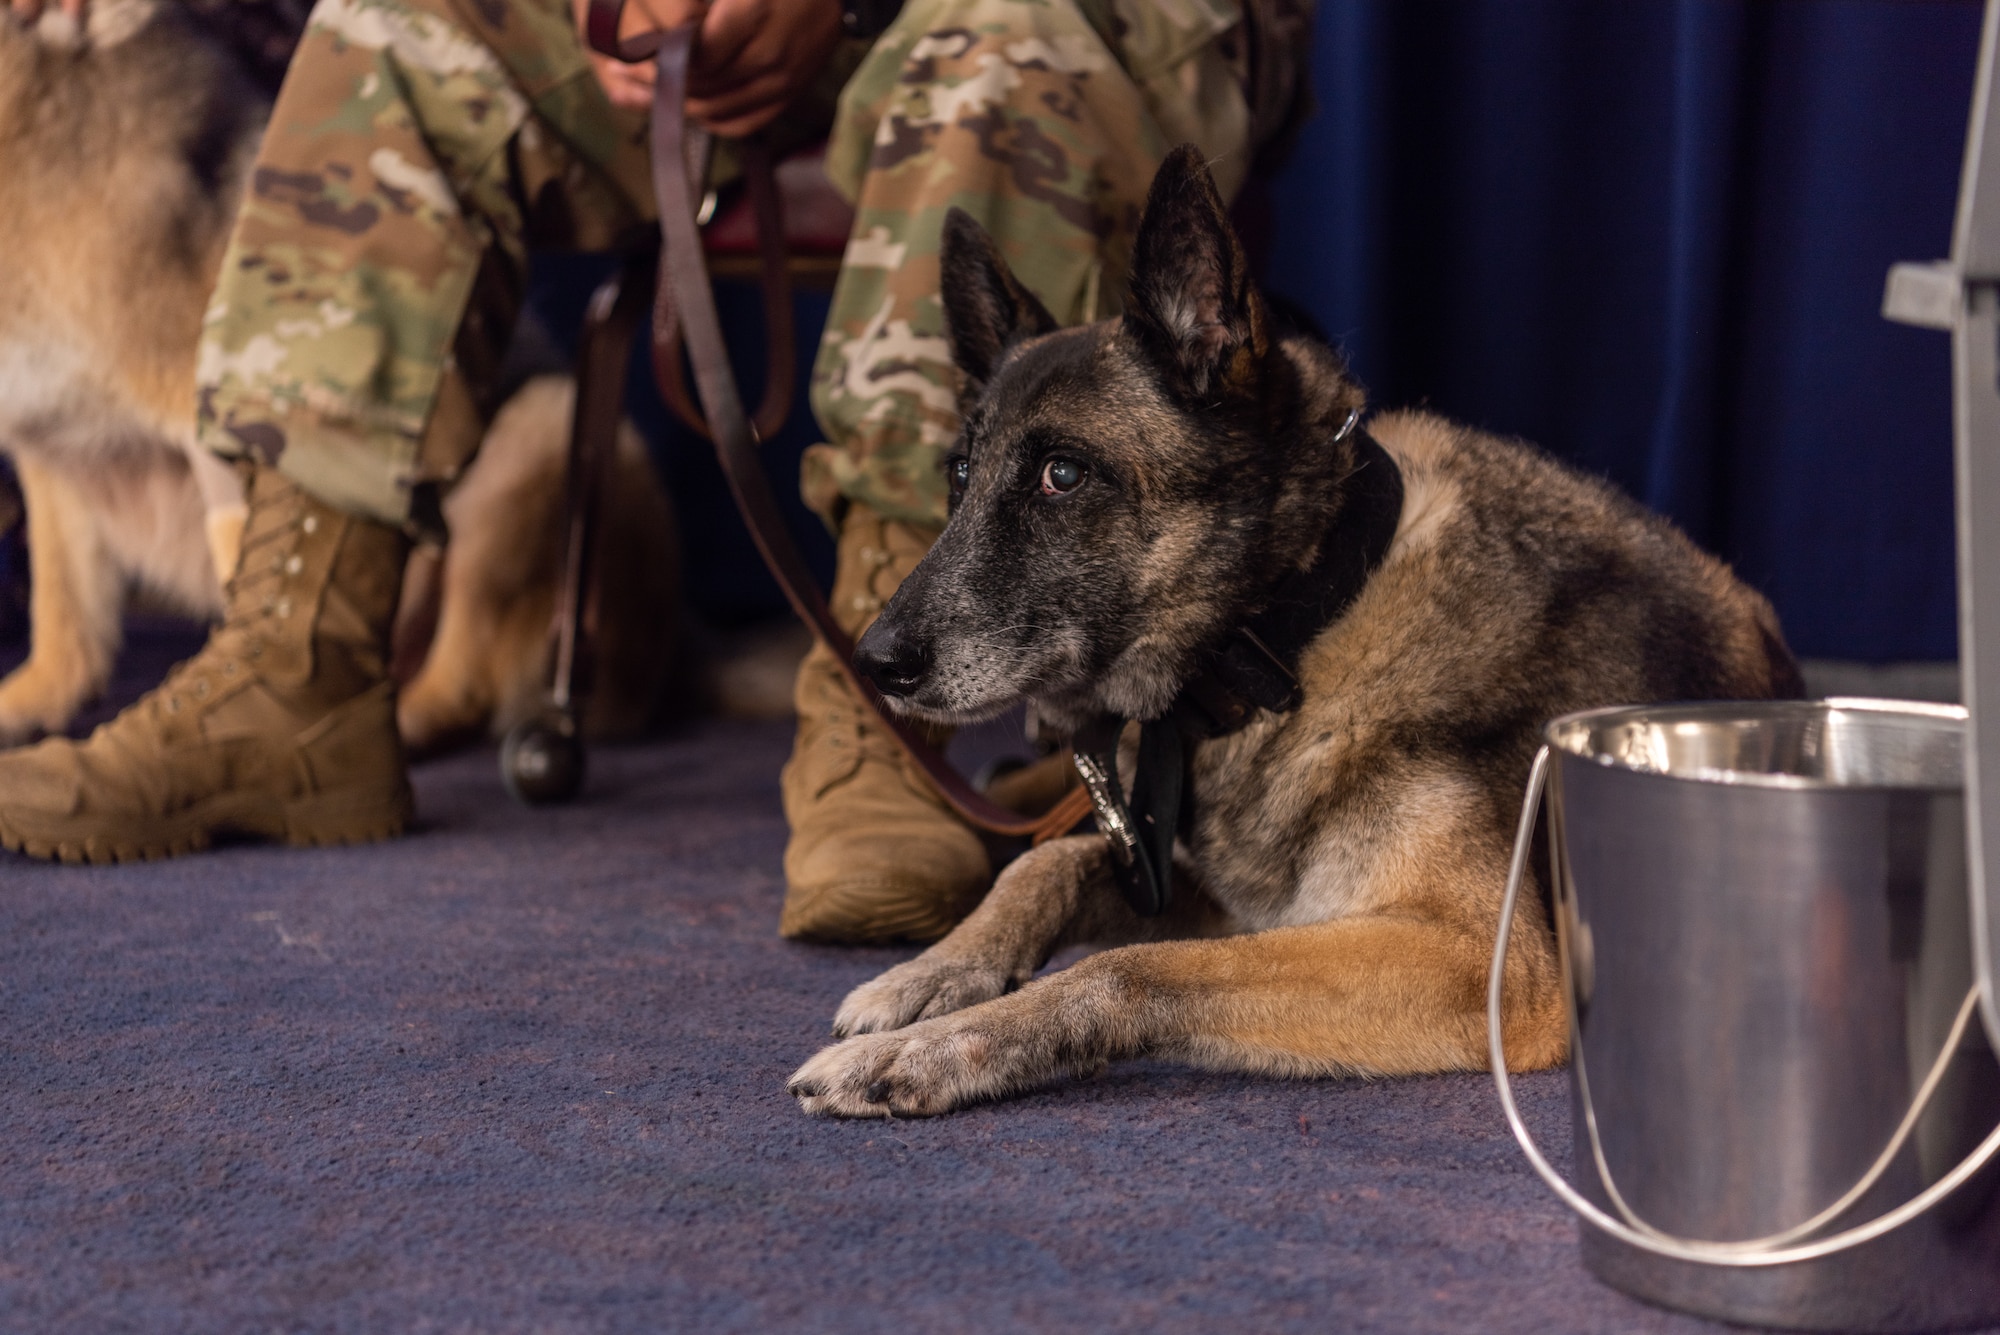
(1128, 492)
(123, 152)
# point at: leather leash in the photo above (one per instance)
(685, 311)
(779, 369)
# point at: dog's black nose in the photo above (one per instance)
(893, 661)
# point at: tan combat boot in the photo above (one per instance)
(875, 854)
(283, 726)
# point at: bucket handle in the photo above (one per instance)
(1758, 1252)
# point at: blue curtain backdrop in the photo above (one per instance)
(1651, 235)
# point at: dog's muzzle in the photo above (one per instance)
(893, 661)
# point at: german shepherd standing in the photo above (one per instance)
(1127, 494)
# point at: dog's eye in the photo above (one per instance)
(957, 472)
(1061, 475)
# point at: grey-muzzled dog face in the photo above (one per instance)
(1118, 489)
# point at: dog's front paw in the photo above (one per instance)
(920, 989)
(921, 1071)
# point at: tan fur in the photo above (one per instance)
(110, 251)
(110, 247)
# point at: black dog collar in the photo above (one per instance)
(1255, 668)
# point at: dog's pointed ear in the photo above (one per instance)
(1193, 305)
(985, 306)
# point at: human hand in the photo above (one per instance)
(30, 11)
(628, 86)
(631, 85)
(754, 56)
(751, 57)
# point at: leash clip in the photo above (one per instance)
(1113, 820)
(1140, 829)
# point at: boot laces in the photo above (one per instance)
(254, 598)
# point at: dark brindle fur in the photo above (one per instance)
(1338, 892)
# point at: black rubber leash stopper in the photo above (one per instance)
(541, 760)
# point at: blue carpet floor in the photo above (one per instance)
(524, 1071)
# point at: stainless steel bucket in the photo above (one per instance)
(1763, 916)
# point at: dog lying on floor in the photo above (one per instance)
(123, 150)
(1354, 634)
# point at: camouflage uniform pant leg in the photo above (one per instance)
(1045, 120)
(378, 260)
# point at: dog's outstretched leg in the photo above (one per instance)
(76, 600)
(1010, 935)
(1058, 895)
(1370, 995)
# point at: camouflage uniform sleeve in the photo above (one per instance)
(1044, 119)
(376, 267)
